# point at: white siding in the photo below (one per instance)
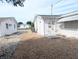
(39, 25)
(35, 25)
(49, 28)
(11, 28)
(70, 29)
(0, 29)
(42, 25)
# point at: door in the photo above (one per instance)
(50, 29)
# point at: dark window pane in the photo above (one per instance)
(10, 24)
(6, 26)
(14, 26)
(49, 26)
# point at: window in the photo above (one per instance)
(10, 24)
(72, 25)
(14, 26)
(6, 26)
(49, 26)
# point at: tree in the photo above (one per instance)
(20, 23)
(15, 2)
(31, 24)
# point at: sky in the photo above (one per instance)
(37, 7)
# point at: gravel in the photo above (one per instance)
(7, 46)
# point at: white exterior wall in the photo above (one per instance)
(10, 30)
(22, 26)
(72, 31)
(0, 29)
(35, 25)
(42, 26)
(68, 33)
(49, 31)
(39, 25)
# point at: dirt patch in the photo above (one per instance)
(8, 45)
(29, 35)
(34, 46)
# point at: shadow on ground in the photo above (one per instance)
(47, 48)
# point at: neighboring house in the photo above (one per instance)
(45, 24)
(27, 26)
(8, 25)
(22, 26)
(68, 25)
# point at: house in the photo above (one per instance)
(8, 25)
(45, 24)
(68, 25)
(27, 26)
(22, 26)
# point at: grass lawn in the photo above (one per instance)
(34, 46)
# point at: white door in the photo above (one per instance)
(51, 28)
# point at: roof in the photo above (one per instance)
(71, 18)
(7, 18)
(69, 14)
(48, 17)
